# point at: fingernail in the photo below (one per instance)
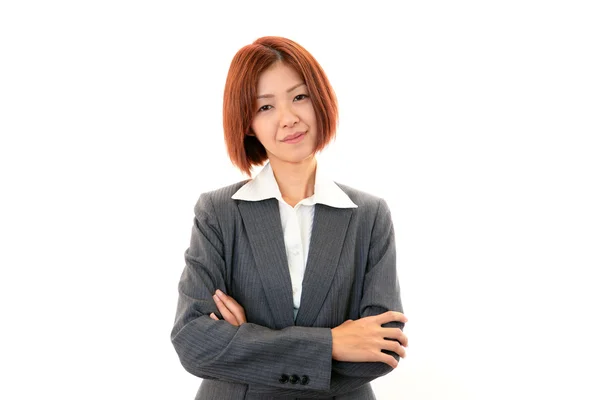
(216, 298)
(219, 293)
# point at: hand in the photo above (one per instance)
(364, 339)
(231, 311)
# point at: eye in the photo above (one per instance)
(301, 97)
(265, 108)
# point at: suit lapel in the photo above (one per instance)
(327, 238)
(263, 225)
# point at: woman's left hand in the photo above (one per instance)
(231, 311)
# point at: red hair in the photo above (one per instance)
(240, 95)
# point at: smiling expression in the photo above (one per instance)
(285, 122)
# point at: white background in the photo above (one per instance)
(477, 121)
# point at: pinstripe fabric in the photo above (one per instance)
(238, 247)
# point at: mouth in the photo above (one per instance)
(294, 137)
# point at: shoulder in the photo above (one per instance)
(372, 214)
(368, 203)
(218, 200)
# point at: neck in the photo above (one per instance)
(296, 181)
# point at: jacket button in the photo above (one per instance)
(304, 380)
(284, 378)
(294, 379)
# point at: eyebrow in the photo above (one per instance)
(264, 96)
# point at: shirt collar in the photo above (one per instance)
(264, 186)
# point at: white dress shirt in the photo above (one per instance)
(296, 221)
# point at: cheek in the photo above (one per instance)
(309, 114)
(256, 125)
(262, 128)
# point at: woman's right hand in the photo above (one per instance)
(364, 339)
(230, 310)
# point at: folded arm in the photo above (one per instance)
(248, 353)
(257, 355)
(380, 295)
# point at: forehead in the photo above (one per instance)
(277, 79)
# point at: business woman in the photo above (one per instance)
(289, 289)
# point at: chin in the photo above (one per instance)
(293, 157)
(294, 160)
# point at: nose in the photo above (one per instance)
(287, 117)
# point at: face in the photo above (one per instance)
(285, 122)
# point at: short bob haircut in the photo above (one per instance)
(239, 100)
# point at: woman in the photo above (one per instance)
(290, 287)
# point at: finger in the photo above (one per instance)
(213, 316)
(397, 334)
(391, 316)
(227, 315)
(392, 345)
(232, 306)
(386, 358)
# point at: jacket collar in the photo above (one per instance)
(264, 186)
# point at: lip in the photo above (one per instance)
(294, 137)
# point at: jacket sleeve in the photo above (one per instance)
(250, 353)
(381, 293)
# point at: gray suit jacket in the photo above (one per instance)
(238, 247)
